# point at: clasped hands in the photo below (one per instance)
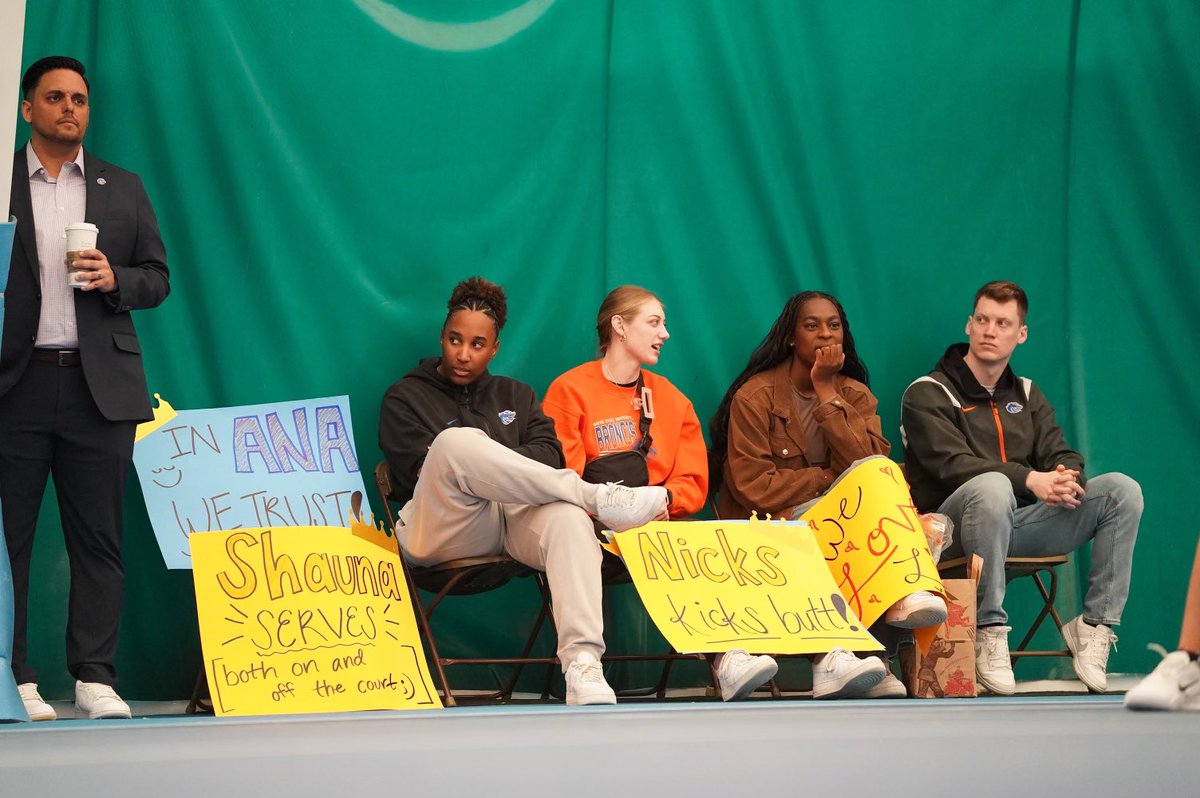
(1057, 488)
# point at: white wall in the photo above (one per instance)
(12, 31)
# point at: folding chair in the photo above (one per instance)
(1041, 570)
(613, 572)
(465, 577)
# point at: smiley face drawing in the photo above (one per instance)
(406, 687)
(170, 474)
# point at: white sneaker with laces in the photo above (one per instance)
(99, 701)
(740, 674)
(1089, 651)
(840, 674)
(619, 507)
(35, 705)
(890, 687)
(1173, 684)
(993, 665)
(586, 684)
(916, 611)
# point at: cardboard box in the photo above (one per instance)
(948, 669)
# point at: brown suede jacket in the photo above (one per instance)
(767, 469)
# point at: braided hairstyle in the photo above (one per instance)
(476, 293)
(774, 350)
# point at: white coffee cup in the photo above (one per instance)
(80, 236)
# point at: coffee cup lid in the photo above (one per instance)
(83, 226)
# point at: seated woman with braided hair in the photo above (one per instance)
(798, 418)
(478, 470)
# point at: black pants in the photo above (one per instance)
(49, 424)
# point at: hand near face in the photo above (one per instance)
(827, 362)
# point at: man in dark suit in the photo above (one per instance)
(72, 389)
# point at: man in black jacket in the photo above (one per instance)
(982, 446)
(72, 389)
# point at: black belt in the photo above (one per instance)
(59, 357)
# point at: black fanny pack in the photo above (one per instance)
(629, 468)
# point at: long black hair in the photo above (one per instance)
(773, 350)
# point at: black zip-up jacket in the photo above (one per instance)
(953, 430)
(423, 403)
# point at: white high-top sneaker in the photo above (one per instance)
(993, 665)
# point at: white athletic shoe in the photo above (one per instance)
(993, 665)
(890, 687)
(1089, 651)
(840, 674)
(917, 611)
(620, 508)
(1174, 684)
(740, 674)
(35, 705)
(586, 684)
(99, 701)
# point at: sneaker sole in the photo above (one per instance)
(42, 716)
(987, 686)
(111, 714)
(898, 691)
(1150, 703)
(854, 686)
(752, 681)
(595, 701)
(919, 619)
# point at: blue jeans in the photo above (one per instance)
(988, 522)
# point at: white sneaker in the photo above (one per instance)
(740, 674)
(1089, 651)
(620, 508)
(99, 701)
(37, 708)
(993, 665)
(1174, 684)
(840, 674)
(585, 683)
(917, 611)
(890, 687)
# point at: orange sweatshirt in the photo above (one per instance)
(594, 417)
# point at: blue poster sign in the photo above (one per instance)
(272, 465)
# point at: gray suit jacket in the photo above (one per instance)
(108, 344)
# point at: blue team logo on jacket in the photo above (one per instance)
(507, 417)
(1014, 407)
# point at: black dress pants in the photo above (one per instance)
(49, 425)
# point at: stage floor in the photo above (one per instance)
(1037, 745)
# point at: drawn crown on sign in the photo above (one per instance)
(369, 530)
(163, 415)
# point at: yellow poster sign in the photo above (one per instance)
(759, 585)
(306, 619)
(871, 537)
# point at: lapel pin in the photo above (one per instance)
(100, 181)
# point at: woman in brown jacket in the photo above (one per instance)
(798, 416)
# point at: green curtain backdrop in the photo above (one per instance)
(324, 173)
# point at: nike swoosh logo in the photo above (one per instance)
(969, 409)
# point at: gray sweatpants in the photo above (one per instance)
(476, 498)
